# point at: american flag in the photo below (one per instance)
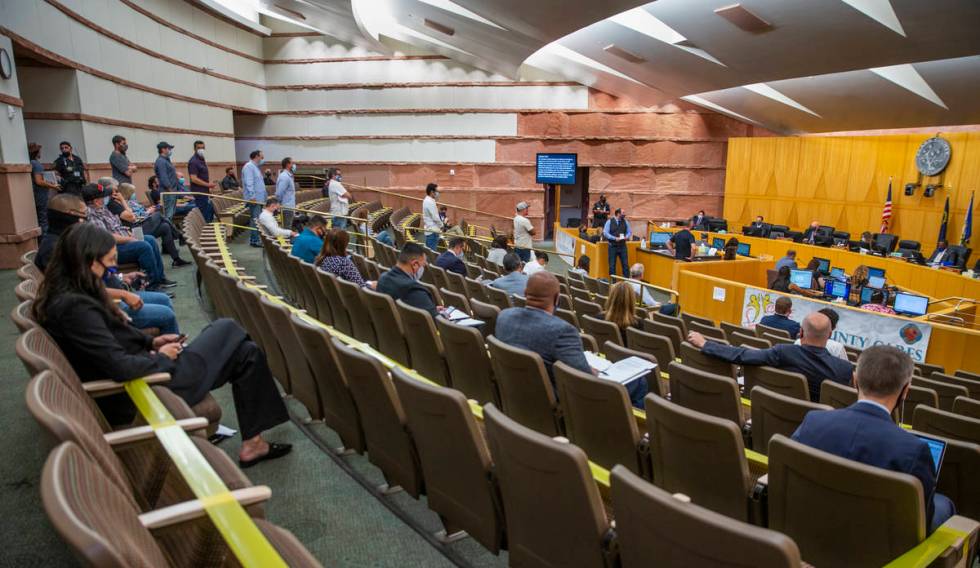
(886, 213)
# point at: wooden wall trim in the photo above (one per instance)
(350, 86)
(48, 54)
(10, 100)
(123, 123)
(354, 58)
(474, 110)
(676, 139)
(119, 39)
(295, 34)
(15, 168)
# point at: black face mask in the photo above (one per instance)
(66, 154)
(59, 221)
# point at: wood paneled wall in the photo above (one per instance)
(843, 181)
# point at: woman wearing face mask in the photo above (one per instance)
(431, 221)
(333, 258)
(100, 343)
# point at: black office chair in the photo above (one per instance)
(778, 231)
(961, 254)
(908, 248)
(716, 225)
(885, 243)
(825, 236)
(841, 238)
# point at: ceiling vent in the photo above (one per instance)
(442, 28)
(614, 49)
(290, 11)
(744, 19)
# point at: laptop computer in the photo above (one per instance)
(937, 448)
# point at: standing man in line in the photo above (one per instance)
(286, 191)
(523, 229)
(600, 212)
(122, 168)
(71, 169)
(166, 178)
(431, 221)
(41, 186)
(617, 231)
(339, 198)
(197, 169)
(253, 190)
(681, 243)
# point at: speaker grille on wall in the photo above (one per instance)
(744, 19)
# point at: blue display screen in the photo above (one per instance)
(838, 274)
(659, 238)
(876, 272)
(802, 278)
(837, 289)
(911, 304)
(824, 266)
(937, 448)
(876, 282)
(556, 168)
(744, 249)
(718, 243)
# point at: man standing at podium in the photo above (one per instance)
(617, 231)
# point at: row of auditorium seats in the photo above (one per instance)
(514, 381)
(115, 495)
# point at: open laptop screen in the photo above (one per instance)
(937, 448)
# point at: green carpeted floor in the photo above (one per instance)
(341, 521)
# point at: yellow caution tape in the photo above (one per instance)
(246, 542)
(930, 549)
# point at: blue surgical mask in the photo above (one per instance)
(292, 168)
(261, 161)
(338, 177)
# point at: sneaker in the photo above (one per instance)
(179, 262)
(167, 283)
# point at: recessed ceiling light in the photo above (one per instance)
(455, 8)
(442, 28)
(643, 22)
(614, 49)
(744, 19)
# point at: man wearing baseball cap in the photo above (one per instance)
(523, 229)
(167, 177)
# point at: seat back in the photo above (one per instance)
(266, 338)
(487, 313)
(917, 396)
(456, 300)
(972, 385)
(526, 393)
(682, 441)
(93, 515)
(657, 345)
(962, 254)
(740, 339)
(517, 300)
(554, 513)
(424, 344)
(966, 407)
(783, 382)
(438, 275)
(712, 394)
(301, 383)
(947, 391)
(691, 318)
(469, 364)
(760, 329)
(707, 330)
(677, 322)
(568, 316)
(339, 410)
(362, 325)
(732, 327)
(580, 293)
(837, 395)
(321, 303)
(457, 469)
(387, 325)
(30, 271)
(21, 316)
(603, 331)
(671, 332)
(927, 369)
(497, 297)
(26, 290)
(692, 357)
(967, 374)
(599, 418)
(650, 521)
(827, 503)
(945, 423)
(656, 385)
(389, 444)
(591, 284)
(774, 413)
(455, 282)
(585, 307)
(475, 290)
(776, 339)
(39, 352)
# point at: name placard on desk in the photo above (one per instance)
(857, 328)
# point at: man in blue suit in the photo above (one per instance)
(452, 258)
(865, 431)
(780, 319)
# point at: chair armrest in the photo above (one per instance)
(190, 510)
(949, 545)
(120, 438)
(98, 389)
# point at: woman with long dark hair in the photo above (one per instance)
(100, 343)
(333, 257)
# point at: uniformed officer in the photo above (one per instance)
(71, 169)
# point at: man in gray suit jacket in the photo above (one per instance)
(537, 329)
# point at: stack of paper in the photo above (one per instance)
(623, 371)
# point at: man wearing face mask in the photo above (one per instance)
(536, 328)
(430, 216)
(197, 169)
(253, 190)
(617, 231)
(71, 169)
(166, 178)
(122, 168)
(339, 198)
(866, 432)
(452, 258)
(267, 219)
(309, 242)
(402, 281)
(286, 190)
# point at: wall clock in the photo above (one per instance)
(6, 65)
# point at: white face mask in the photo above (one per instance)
(419, 272)
(292, 168)
(200, 152)
(435, 195)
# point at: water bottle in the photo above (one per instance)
(138, 233)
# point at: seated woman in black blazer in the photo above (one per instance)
(99, 341)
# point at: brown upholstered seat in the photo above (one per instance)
(603, 331)
(498, 297)
(776, 413)
(475, 290)
(487, 313)
(744, 339)
(302, 384)
(360, 318)
(554, 513)
(671, 332)
(459, 483)
(468, 361)
(959, 478)
(387, 325)
(837, 395)
(586, 307)
(424, 344)
(569, 316)
(712, 394)
(526, 393)
(947, 390)
(616, 353)
(966, 407)
(675, 321)
(707, 330)
(917, 396)
(972, 385)
(456, 300)
(945, 423)
(21, 316)
(776, 380)
(338, 312)
(761, 329)
(657, 528)
(693, 357)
